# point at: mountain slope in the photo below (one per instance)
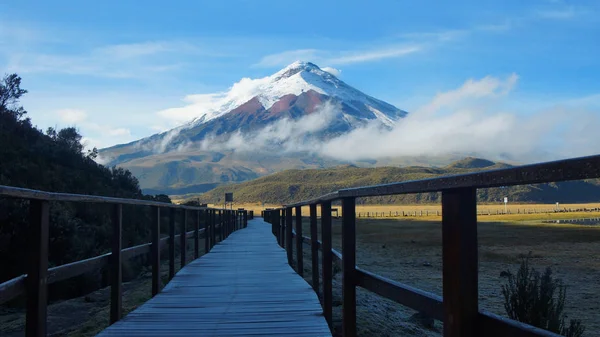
(297, 185)
(184, 156)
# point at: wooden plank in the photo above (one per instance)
(116, 271)
(459, 257)
(492, 325)
(314, 247)
(155, 250)
(288, 234)
(414, 298)
(327, 261)
(37, 296)
(172, 243)
(25, 193)
(299, 252)
(12, 288)
(243, 287)
(349, 267)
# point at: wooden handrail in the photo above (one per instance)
(34, 284)
(459, 307)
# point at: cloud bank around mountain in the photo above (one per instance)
(469, 120)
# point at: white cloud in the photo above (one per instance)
(558, 14)
(287, 57)
(333, 71)
(71, 116)
(337, 57)
(136, 60)
(468, 120)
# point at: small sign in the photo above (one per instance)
(506, 200)
(228, 197)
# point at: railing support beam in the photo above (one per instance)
(299, 252)
(327, 261)
(116, 270)
(459, 247)
(37, 287)
(349, 267)
(155, 250)
(172, 244)
(313, 247)
(288, 234)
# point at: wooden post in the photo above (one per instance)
(221, 222)
(213, 227)
(155, 250)
(327, 260)
(299, 253)
(459, 247)
(288, 234)
(313, 247)
(197, 236)
(182, 238)
(116, 273)
(172, 244)
(206, 213)
(349, 267)
(37, 269)
(282, 231)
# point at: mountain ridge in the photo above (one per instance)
(296, 185)
(321, 106)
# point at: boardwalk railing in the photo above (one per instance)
(218, 224)
(459, 307)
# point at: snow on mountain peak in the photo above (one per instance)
(295, 79)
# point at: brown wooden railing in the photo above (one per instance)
(218, 224)
(459, 307)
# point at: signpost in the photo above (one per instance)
(229, 199)
(505, 202)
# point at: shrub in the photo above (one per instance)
(538, 300)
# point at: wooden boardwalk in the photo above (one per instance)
(243, 287)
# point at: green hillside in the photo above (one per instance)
(297, 185)
(56, 161)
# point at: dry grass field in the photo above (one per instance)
(409, 251)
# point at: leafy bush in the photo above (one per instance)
(538, 300)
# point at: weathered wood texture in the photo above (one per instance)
(243, 287)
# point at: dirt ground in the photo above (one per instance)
(410, 252)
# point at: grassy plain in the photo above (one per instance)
(409, 251)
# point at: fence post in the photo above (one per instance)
(327, 260)
(313, 247)
(281, 225)
(182, 238)
(459, 247)
(197, 235)
(37, 269)
(213, 227)
(172, 243)
(155, 210)
(288, 234)
(299, 253)
(116, 287)
(205, 213)
(349, 267)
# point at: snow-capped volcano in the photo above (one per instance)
(297, 78)
(251, 129)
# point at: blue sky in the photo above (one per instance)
(110, 67)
